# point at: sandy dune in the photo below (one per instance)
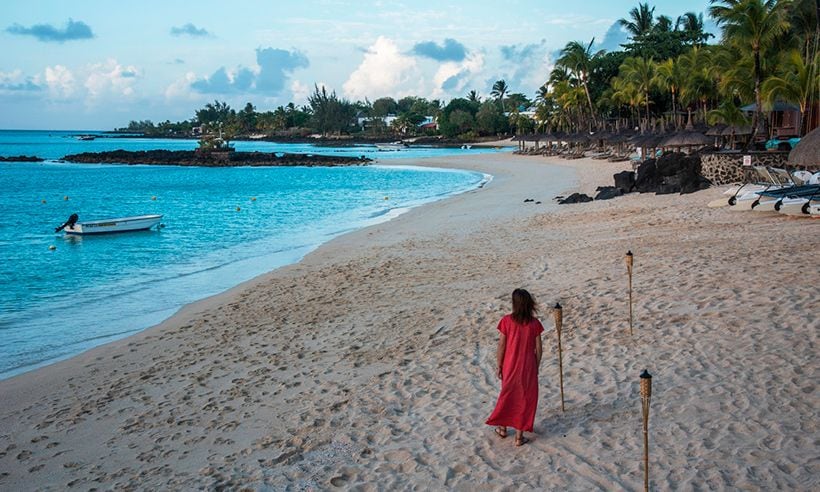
(369, 365)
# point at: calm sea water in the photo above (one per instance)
(92, 290)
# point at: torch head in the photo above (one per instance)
(628, 259)
(646, 384)
(558, 314)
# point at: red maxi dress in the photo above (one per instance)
(519, 376)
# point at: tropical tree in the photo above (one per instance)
(640, 22)
(542, 94)
(728, 114)
(691, 25)
(751, 26)
(214, 113)
(500, 89)
(796, 82)
(473, 96)
(330, 113)
(640, 72)
(669, 76)
(577, 58)
(699, 82)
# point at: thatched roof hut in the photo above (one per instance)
(806, 153)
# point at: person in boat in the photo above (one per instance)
(517, 361)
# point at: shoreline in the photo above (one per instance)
(370, 361)
(197, 306)
(391, 214)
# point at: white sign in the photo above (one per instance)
(747, 161)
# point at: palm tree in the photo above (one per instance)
(797, 83)
(751, 26)
(500, 89)
(640, 72)
(542, 94)
(699, 80)
(731, 72)
(642, 20)
(663, 24)
(577, 58)
(625, 92)
(473, 96)
(728, 114)
(670, 76)
(691, 25)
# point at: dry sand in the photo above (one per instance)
(369, 365)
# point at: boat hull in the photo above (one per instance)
(109, 226)
(794, 206)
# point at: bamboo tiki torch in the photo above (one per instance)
(558, 313)
(628, 259)
(646, 395)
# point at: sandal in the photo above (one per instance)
(502, 433)
(520, 441)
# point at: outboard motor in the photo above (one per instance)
(69, 223)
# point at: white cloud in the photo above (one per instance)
(181, 88)
(60, 81)
(110, 78)
(300, 92)
(383, 72)
(453, 77)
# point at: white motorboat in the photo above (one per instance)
(105, 226)
(391, 147)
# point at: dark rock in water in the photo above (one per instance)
(575, 198)
(608, 192)
(21, 158)
(538, 203)
(624, 180)
(672, 173)
(212, 159)
(528, 200)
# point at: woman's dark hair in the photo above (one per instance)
(524, 306)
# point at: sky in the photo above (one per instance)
(96, 65)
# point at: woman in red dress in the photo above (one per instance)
(518, 359)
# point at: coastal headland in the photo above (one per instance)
(370, 364)
(212, 159)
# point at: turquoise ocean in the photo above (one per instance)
(222, 226)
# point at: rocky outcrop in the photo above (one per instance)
(671, 173)
(212, 159)
(625, 181)
(574, 198)
(608, 192)
(21, 158)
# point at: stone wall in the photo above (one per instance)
(727, 167)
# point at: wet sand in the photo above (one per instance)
(369, 365)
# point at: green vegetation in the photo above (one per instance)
(666, 77)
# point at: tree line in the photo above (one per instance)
(666, 76)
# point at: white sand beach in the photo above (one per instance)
(369, 365)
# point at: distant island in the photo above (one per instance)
(219, 158)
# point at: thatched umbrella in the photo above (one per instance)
(647, 142)
(733, 131)
(686, 138)
(715, 131)
(806, 153)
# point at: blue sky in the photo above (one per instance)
(97, 65)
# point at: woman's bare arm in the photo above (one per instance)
(538, 351)
(499, 354)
